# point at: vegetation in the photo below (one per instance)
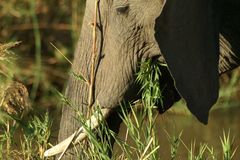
(140, 139)
(27, 135)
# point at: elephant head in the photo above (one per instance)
(183, 34)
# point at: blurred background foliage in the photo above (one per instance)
(36, 24)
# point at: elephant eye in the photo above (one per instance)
(122, 9)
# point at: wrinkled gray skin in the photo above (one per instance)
(131, 30)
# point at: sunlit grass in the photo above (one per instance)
(174, 144)
(19, 22)
(140, 123)
(25, 139)
(227, 146)
(141, 133)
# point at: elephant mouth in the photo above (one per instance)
(79, 135)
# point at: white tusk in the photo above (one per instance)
(59, 148)
(78, 135)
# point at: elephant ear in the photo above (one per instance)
(187, 34)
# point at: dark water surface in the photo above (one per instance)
(220, 120)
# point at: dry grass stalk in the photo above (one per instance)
(93, 62)
(4, 50)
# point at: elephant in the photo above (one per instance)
(197, 40)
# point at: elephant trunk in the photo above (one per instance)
(113, 74)
(77, 91)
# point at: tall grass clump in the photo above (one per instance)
(174, 144)
(140, 123)
(227, 146)
(20, 138)
(36, 136)
(140, 140)
(193, 154)
(99, 144)
(25, 139)
(7, 58)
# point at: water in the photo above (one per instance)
(220, 120)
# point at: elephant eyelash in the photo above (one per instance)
(122, 9)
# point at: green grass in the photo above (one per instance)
(25, 139)
(140, 140)
(36, 59)
(227, 146)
